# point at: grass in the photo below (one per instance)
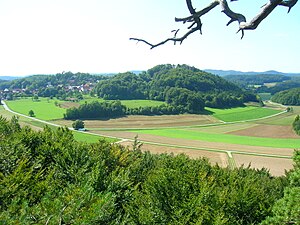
(78, 136)
(242, 113)
(223, 138)
(128, 103)
(44, 109)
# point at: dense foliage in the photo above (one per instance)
(288, 97)
(93, 110)
(78, 124)
(47, 177)
(114, 109)
(296, 125)
(179, 85)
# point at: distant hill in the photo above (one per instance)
(8, 78)
(235, 72)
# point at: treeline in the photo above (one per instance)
(114, 109)
(95, 109)
(288, 97)
(47, 177)
(258, 79)
(179, 85)
(290, 84)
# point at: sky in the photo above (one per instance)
(92, 36)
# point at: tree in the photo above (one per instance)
(296, 125)
(78, 124)
(196, 25)
(31, 113)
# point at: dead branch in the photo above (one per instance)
(196, 25)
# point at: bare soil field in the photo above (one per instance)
(270, 131)
(213, 157)
(147, 121)
(276, 166)
(198, 144)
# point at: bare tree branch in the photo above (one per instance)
(196, 24)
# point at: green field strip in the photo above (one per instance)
(242, 113)
(128, 103)
(78, 136)
(44, 109)
(224, 138)
(214, 150)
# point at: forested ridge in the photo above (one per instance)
(47, 177)
(288, 97)
(179, 85)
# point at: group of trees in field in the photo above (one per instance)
(114, 109)
(179, 85)
(47, 177)
(288, 97)
(95, 109)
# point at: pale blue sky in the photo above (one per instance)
(51, 36)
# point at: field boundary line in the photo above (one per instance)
(215, 150)
(222, 123)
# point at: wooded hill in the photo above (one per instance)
(179, 85)
(288, 97)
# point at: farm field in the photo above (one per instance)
(242, 113)
(276, 166)
(224, 138)
(133, 122)
(214, 157)
(44, 109)
(200, 135)
(127, 103)
(36, 125)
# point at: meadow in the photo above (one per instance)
(223, 138)
(128, 103)
(242, 113)
(44, 108)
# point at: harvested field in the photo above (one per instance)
(276, 166)
(213, 157)
(199, 144)
(269, 131)
(146, 121)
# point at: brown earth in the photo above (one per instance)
(276, 166)
(198, 144)
(270, 131)
(213, 157)
(146, 121)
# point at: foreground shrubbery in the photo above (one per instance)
(48, 178)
